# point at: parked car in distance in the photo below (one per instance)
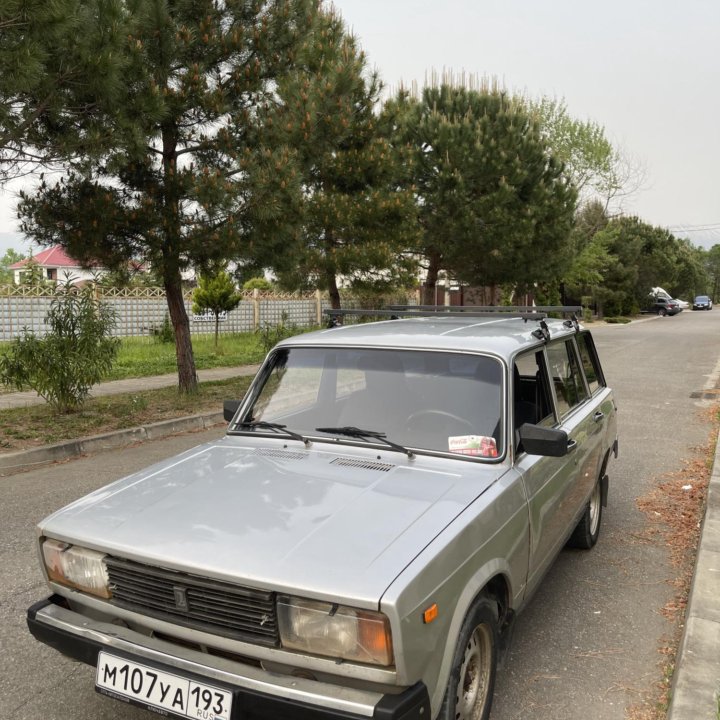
(702, 302)
(683, 304)
(386, 499)
(664, 306)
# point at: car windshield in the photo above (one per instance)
(435, 401)
(701, 298)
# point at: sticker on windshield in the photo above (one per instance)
(476, 445)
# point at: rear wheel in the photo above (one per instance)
(662, 312)
(587, 531)
(469, 691)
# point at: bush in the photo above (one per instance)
(76, 352)
(271, 335)
(164, 334)
(257, 283)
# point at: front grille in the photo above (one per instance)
(209, 605)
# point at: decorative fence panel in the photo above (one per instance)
(141, 311)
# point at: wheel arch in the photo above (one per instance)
(493, 581)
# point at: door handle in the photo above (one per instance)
(572, 444)
(598, 416)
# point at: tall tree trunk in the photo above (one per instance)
(333, 290)
(187, 376)
(431, 280)
(217, 328)
(331, 271)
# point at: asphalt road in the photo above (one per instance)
(587, 644)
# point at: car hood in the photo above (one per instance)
(267, 514)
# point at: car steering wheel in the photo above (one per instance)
(428, 415)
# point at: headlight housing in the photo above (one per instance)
(76, 567)
(322, 628)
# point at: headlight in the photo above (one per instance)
(76, 567)
(336, 631)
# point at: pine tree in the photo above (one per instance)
(357, 217)
(59, 60)
(494, 205)
(171, 172)
(216, 293)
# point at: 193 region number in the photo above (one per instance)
(151, 687)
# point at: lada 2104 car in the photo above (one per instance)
(386, 498)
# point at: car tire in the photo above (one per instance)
(662, 312)
(587, 530)
(469, 692)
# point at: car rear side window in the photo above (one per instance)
(567, 375)
(590, 362)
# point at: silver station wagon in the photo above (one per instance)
(387, 497)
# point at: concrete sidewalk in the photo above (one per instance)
(696, 681)
(117, 387)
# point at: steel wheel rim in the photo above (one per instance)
(595, 504)
(474, 682)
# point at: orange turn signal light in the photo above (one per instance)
(430, 614)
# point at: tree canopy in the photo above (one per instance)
(216, 292)
(178, 177)
(494, 205)
(357, 215)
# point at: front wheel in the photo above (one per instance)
(469, 691)
(587, 531)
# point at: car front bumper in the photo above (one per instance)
(257, 694)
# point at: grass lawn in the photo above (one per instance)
(36, 425)
(143, 356)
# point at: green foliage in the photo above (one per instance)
(593, 165)
(640, 257)
(7, 276)
(494, 204)
(257, 283)
(164, 334)
(33, 274)
(216, 293)
(270, 335)
(58, 59)
(358, 210)
(712, 268)
(75, 354)
(167, 164)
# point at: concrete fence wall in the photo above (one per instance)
(140, 311)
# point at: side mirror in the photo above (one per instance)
(537, 440)
(230, 408)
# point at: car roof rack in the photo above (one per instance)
(524, 312)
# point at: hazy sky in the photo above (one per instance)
(648, 71)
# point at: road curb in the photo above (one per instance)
(696, 682)
(13, 462)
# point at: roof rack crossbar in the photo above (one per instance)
(490, 308)
(335, 315)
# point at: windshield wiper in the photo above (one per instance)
(263, 425)
(351, 431)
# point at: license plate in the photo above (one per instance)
(155, 688)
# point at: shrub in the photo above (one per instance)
(76, 352)
(164, 334)
(257, 283)
(271, 335)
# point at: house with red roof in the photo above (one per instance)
(57, 266)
